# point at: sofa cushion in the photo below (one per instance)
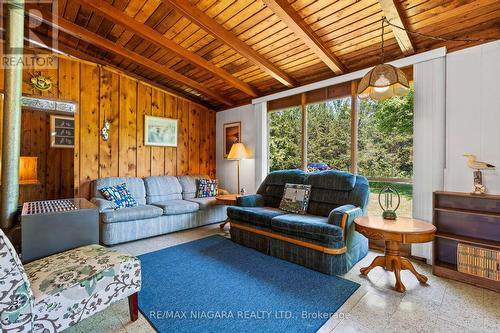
(330, 189)
(162, 188)
(206, 188)
(120, 195)
(134, 185)
(176, 207)
(189, 186)
(309, 227)
(260, 216)
(204, 203)
(273, 186)
(131, 214)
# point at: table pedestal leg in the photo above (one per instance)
(393, 262)
(223, 224)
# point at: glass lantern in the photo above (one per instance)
(389, 201)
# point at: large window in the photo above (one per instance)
(381, 149)
(385, 149)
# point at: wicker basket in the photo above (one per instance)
(478, 261)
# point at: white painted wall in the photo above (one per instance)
(428, 141)
(473, 115)
(226, 169)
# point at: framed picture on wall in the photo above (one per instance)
(62, 131)
(232, 134)
(159, 131)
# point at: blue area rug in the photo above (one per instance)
(215, 285)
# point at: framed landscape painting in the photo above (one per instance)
(232, 134)
(159, 131)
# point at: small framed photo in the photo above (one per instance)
(232, 134)
(159, 131)
(62, 131)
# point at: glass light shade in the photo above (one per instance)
(383, 82)
(28, 170)
(238, 151)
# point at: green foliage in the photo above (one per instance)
(284, 139)
(385, 137)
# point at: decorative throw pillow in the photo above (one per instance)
(120, 195)
(295, 198)
(206, 188)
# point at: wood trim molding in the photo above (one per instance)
(84, 34)
(393, 14)
(403, 62)
(113, 14)
(302, 30)
(201, 19)
(315, 247)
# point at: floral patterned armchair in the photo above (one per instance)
(56, 292)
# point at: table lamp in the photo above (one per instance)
(238, 152)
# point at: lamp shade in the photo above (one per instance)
(28, 170)
(238, 151)
(382, 82)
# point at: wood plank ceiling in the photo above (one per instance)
(223, 53)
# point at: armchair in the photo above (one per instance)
(56, 292)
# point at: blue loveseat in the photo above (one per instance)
(324, 239)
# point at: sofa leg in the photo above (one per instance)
(133, 307)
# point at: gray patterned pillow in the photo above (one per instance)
(295, 198)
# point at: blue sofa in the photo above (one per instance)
(324, 239)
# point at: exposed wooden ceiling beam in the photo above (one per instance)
(215, 29)
(78, 55)
(302, 30)
(82, 33)
(392, 12)
(114, 15)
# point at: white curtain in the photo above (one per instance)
(429, 141)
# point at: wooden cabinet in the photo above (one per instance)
(463, 218)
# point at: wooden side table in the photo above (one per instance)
(226, 199)
(395, 233)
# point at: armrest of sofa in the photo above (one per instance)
(344, 216)
(254, 200)
(103, 204)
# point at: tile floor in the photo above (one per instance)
(441, 306)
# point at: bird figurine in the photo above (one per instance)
(473, 163)
(477, 166)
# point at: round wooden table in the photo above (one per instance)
(226, 199)
(394, 233)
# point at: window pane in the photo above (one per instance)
(385, 137)
(385, 148)
(284, 139)
(329, 134)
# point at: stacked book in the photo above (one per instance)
(478, 261)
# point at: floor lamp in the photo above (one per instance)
(238, 152)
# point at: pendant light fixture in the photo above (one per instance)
(383, 81)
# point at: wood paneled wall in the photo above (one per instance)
(102, 92)
(125, 101)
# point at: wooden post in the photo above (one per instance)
(13, 76)
(354, 127)
(304, 130)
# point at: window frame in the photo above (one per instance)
(353, 167)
